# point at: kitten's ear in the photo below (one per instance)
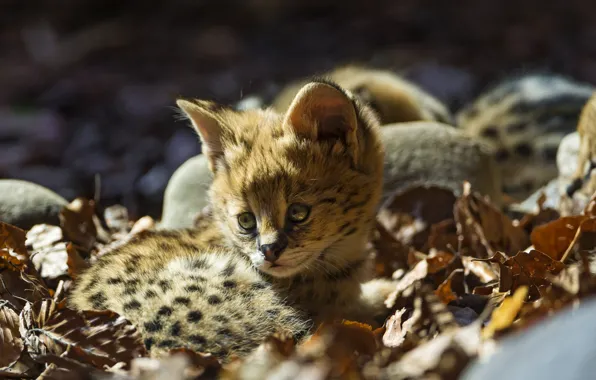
(322, 112)
(205, 122)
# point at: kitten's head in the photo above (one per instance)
(295, 192)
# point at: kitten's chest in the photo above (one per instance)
(321, 299)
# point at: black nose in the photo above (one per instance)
(273, 251)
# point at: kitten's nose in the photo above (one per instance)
(273, 251)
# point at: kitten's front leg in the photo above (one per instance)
(370, 307)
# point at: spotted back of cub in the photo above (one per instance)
(524, 119)
(393, 98)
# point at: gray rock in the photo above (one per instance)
(562, 347)
(567, 155)
(25, 204)
(417, 154)
(551, 190)
(186, 193)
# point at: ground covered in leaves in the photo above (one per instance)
(467, 274)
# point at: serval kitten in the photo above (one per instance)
(294, 196)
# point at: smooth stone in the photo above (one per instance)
(186, 193)
(567, 155)
(561, 347)
(417, 154)
(25, 204)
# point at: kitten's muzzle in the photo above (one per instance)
(273, 250)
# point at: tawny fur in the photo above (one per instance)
(586, 129)
(393, 98)
(323, 152)
(524, 119)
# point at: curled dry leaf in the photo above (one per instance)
(481, 269)
(417, 273)
(446, 355)
(395, 332)
(97, 338)
(391, 255)
(340, 343)
(75, 262)
(11, 344)
(446, 292)
(486, 229)
(77, 220)
(410, 214)
(13, 250)
(555, 237)
(529, 269)
(443, 236)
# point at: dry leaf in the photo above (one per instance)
(503, 316)
(13, 250)
(11, 344)
(394, 335)
(77, 222)
(409, 215)
(485, 229)
(555, 237)
(445, 290)
(391, 255)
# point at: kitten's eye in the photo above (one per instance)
(298, 212)
(247, 221)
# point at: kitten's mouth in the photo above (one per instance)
(286, 269)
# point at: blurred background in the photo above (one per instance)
(87, 87)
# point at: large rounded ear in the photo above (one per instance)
(205, 121)
(321, 111)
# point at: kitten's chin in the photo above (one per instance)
(284, 270)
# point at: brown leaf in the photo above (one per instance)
(485, 229)
(76, 264)
(443, 236)
(77, 222)
(445, 290)
(529, 269)
(555, 237)
(13, 251)
(11, 344)
(446, 355)
(439, 261)
(64, 368)
(391, 255)
(98, 338)
(18, 287)
(409, 215)
(342, 343)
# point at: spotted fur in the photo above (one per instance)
(524, 119)
(393, 98)
(211, 289)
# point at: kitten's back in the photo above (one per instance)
(208, 301)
